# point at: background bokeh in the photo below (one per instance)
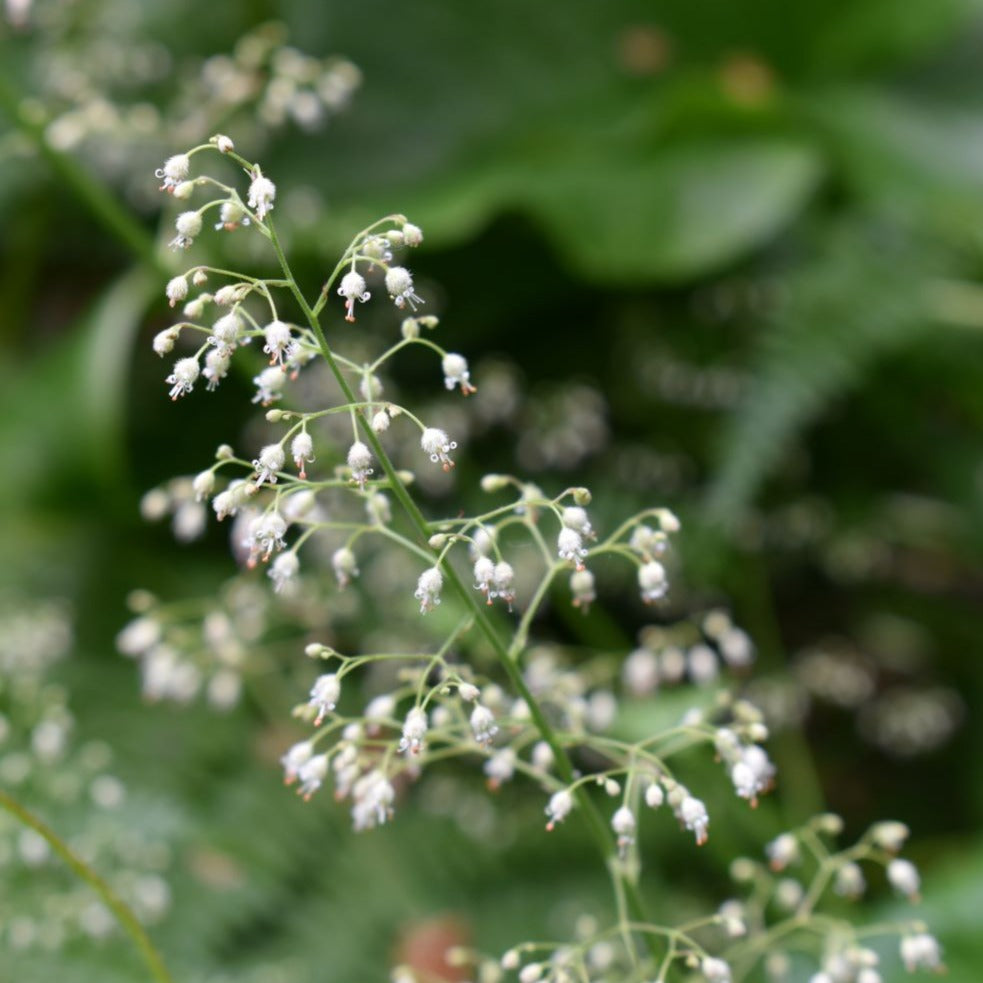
(723, 256)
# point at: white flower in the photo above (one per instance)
(372, 799)
(428, 589)
(483, 724)
(582, 588)
(182, 380)
(176, 290)
(216, 367)
(500, 767)
(752, 774)
(456, 373)
(623, 823)
(889, 835)
(570, 546)
(468, 692)
(360, 462)
(414, 731)
(270, 460)
(693, 815)
(188, 225)
(224, 144)
(262, 192)
(228, 502)
(164, 341)
(311, 774)
(266, 533)
(380, 422)
(268, 385)
(715, 970)
(504, 578)
(174, 171)
(574, 517)
(378, 509)
(353, 288)
(652, 581)
(280, 344)
(283, 570)
(294, 759)
(399, 283)
(647, 542)
(231, 215)
(558, 808)
(225, 332)
(921, 951)
(654, 796)
(302, 451)
(782, 851)
(345, 566)
(324, 694)
(484, 574)
(438, 446)
(849, 882)
(903, 876)
(412, 234)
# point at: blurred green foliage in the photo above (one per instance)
(754, 229)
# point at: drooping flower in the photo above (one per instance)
(182, 380)
(456, 373)
(438, 446)
(399, 283)
(262, 192)
(353, 289)
(174, 171)
(428, 589)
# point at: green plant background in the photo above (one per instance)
(792, 194)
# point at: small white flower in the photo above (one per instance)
(174, 171)
(412, 234)
(504, 578)
(652, 581)
(399, 284)
(188, 225)
(574, 517)
(903, 877)
(372, 800)
(216, 368)
(849, 882)
(231, 215)
(266, 533)
(921, 951)
(203, 485)
(324, 694)
(647, 542)
(500, 767)
(345, 566)
(428, 589)
(224, 144)
(283, 570)
(456, 373)
(164, 341)
(176, 290)
(270, 461)
(752, 774)
(483, 724)
(414, 731)
(693, 815)
(542, 756)
(570, 546)
(380, 422)
(360, 462)
(294, 759)
(269, 384)
(182, 380)
(228, 502)
(262, 192)
(312, 774)
(889, 835)
(582, 588)
(484, 575)
(302, 451)
(226, 332)
(353, 289)
(558, 808)
(783, 851)
(280, 344)
(623, 823)
(654, 796)
(438, 446)
(715, 970)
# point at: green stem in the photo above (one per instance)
(123, 913)
(602, 836)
